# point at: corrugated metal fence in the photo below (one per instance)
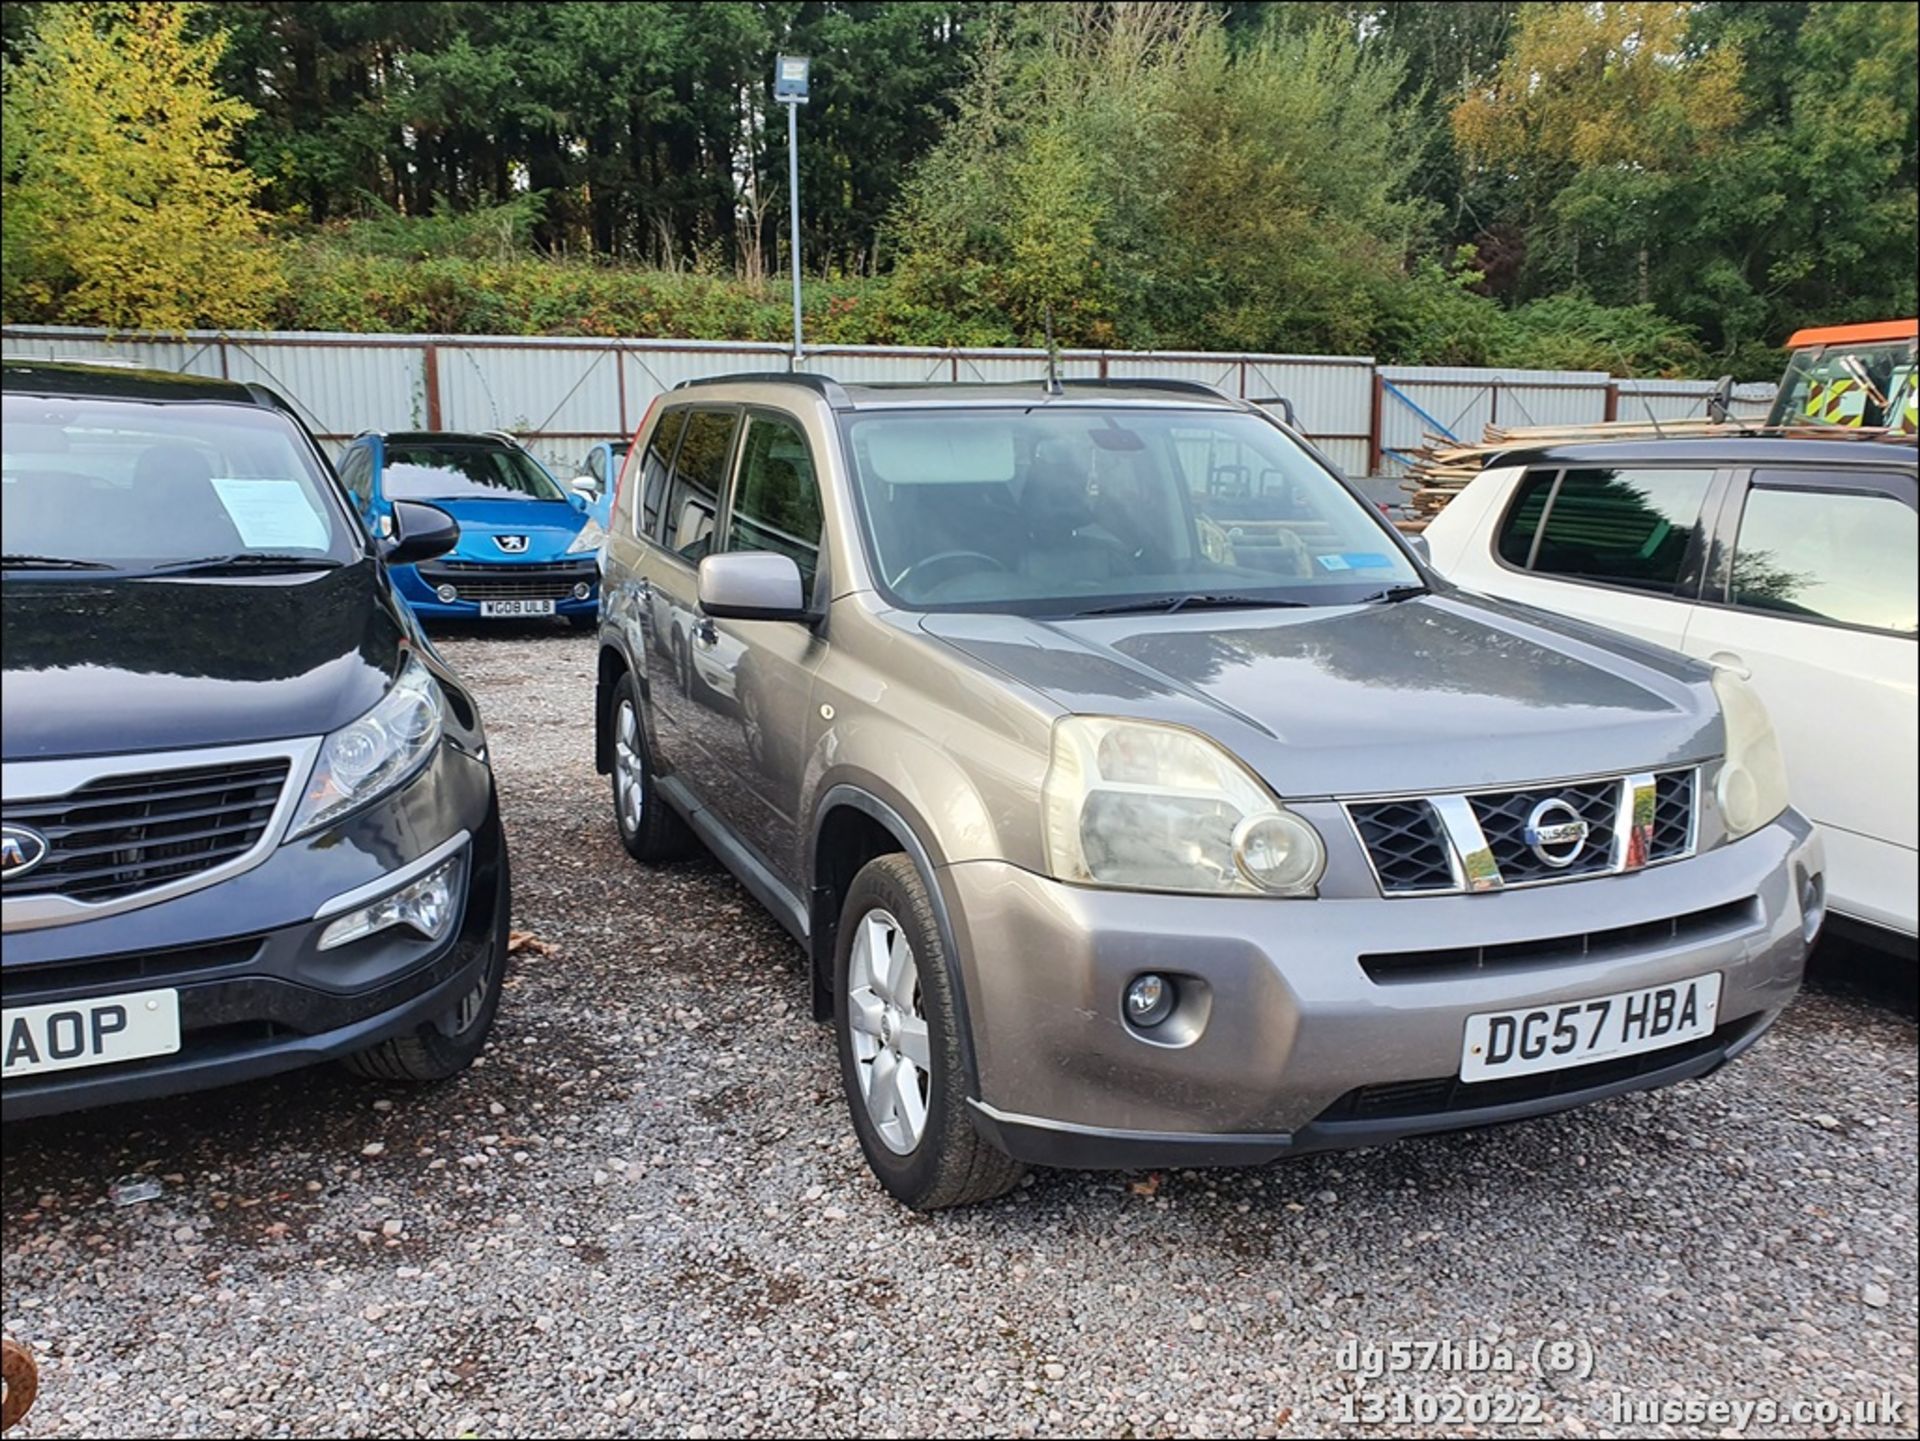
(562, 394)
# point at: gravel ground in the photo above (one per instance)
(644, 1212)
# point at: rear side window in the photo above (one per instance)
(694, 497)
(777, 504)
(1844, 556)
(1522, 525)
(654, 470)
(1624, 527)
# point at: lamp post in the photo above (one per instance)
(790, 90)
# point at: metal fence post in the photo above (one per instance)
(1374, 421)
(430, 354)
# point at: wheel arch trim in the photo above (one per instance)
(824, 928)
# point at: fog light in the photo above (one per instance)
(427, 905)
(582, 590)
(1150, 1000)
(447, 593)
(1813, 906)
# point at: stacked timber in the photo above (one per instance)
(1442, 466)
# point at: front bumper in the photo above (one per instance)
(1290, 1041)
(555, 578)
(257, 995)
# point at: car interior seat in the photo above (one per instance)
(1056, 505)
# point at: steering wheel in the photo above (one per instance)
(942, 558)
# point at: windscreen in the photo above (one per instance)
(464, 471)
(1064, 509)
(1855, 385)
(127, 485)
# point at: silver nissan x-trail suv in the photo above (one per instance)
(1141, 798)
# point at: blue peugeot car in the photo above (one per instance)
(527, 547)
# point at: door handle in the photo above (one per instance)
(1726, 660)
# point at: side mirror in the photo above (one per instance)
(582, 491)
(1421, 548)
(419, 532)
(751, 585)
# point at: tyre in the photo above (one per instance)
(650, 829)
(895, 1018)
(430, 1053)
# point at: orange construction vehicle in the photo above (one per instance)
(1861, 376)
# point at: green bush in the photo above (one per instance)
(1572, 331)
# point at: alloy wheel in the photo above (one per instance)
(629, 768)
(892, 1056)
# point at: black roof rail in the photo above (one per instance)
(1148, 382)
(824, 386)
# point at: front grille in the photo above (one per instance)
(1419, 847)
(127, 833)
(1438, 1095)
(476, 580)
(1672, 815)
(1408, 850)
(1503, 821)
(1613, 942)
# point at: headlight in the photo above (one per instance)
(375, 753)
(591, 534)
(1752, 788)
(1161, 808)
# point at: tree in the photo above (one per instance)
(1595, 117)
(132, 208)
(1151, 183)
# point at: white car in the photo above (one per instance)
(1792, 562)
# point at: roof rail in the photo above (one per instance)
(1148, 382)
(824, 386)
(113, 361)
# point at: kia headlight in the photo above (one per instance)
(376, 753)
(1157, 807)
(1752, 788)
(590, 537)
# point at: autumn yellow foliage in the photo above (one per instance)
(1603, 85)
(123, 196)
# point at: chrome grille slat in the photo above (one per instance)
(32, 812)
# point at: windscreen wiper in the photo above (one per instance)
(12, 561)
(1168, 604)
(247, 560)
(1394, 593)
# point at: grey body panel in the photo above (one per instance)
(1439, 693)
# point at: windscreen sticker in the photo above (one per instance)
(272, 514)
(1356, 560)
